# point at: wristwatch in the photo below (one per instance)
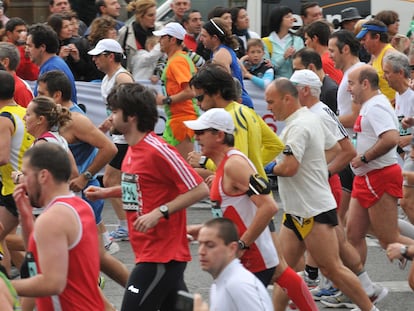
(242, 245)
(203, 161)
(167, 101)
(403, 252)
(88, 175)
(164, 211)
(364, 159)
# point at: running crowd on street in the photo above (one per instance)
(344, 161)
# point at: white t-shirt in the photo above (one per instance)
(344, 98)
(376, 117)
(106, 87)
(307, 193)
(330, 120)
(404, 107)
(237, 289)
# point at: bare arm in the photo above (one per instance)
(343, 158)
(186, 93)
(94, 193)
(386, 141)
(288, 167)
(332, 152)
(348, 120)
(6, 130)
(237, 174)
(124, 77)
(150, 220)
(58, 228)
(84, 130)
(25, 211)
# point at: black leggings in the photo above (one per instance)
(154, 286)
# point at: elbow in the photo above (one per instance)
(4, 160)
(204, 190)
(112, 150)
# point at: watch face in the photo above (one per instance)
(164, 208)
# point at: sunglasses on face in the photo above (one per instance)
(201, 132)
(199, 97)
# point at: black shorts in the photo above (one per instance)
(8, 202)
(303, 226)
(347, 178)
(154, 286)
(265, 276)
(116, 162)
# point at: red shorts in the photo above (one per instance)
(368, 189)
(336, 188)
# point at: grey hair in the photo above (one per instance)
(398, 61)
(8, 50)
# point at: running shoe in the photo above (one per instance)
(112, 248)
(379, 293)
(101, 281)
(338, 301)
(321, 293)
(120, 234)
(309, 282)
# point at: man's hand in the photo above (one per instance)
(193, 158)
(78, 184)
(407, 122)
(105, 126)
(147, 221)
(404, 141)
(22, 201)
(93, 193)
(394, 251)
(199, 304)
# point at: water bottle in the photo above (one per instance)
(31, 264)
(354, 139)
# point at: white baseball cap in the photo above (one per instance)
(106, 45)
(172, 29)
(215, 118)
(306, 77)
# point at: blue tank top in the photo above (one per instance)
(83, 153)
(237, 73)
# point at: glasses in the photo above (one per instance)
(412, 67)
(201, 132)
(199, 97)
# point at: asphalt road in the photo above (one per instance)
(387, 274)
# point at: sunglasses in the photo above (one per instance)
(201, 132)
(412, 67)
(199, 97)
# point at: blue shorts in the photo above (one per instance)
(97, 205)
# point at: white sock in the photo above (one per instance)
(123, 223)
(105, 237)
(366, 283)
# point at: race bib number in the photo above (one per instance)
(216, 210)
(403, 131)
(131, 193)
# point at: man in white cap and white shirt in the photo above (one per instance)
(107, 56)
(309, 85)
(177, 99)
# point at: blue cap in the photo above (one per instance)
(368, 27)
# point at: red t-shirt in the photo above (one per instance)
(22, 94)
(26, 70)
(328, 66)
(153, 174)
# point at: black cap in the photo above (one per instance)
(350, 14)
